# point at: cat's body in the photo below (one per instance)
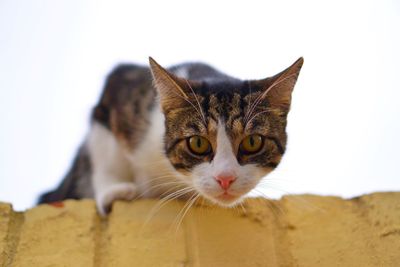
(147, 138)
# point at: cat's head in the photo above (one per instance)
(223, 137)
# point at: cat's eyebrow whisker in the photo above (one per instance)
(198, 103)
(251, 109)
(255, 115)
(250, 105)
(276, 83)
(188, 101)
(263, 95)
(249, 94)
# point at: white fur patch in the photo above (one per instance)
(109, 168)
(225, 162)
(108, 161)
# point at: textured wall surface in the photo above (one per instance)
(301, 230)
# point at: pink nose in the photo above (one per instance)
(225, 181)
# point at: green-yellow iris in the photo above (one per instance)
(199, 145)
(251, 144)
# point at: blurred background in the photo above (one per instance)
(344, 126)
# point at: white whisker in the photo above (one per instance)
(263, 95)
(198, 103)
(187, 100)
(259, 113)
(165, 200)
(188, 205)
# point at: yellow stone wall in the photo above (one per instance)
(301, 230)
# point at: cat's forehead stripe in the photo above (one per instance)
(223, 106)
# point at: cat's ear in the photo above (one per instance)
(278, 89)
(172, 90)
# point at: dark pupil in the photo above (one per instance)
(198, 142)
(251, 141)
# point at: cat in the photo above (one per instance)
(186, 131)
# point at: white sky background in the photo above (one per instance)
(344, 126)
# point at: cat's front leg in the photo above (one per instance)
(107, 194)
(112, 177)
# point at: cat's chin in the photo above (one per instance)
(226, 200)
(225, 197)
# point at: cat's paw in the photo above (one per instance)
(120, 191)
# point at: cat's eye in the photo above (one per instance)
(251, 144)
(199, 145)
